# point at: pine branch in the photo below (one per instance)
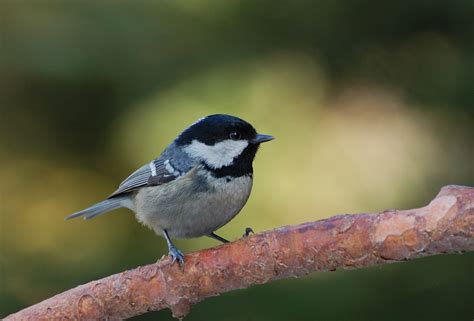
(446, 225)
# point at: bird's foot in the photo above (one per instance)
(176, 255)
(248, 230)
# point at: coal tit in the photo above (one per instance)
(198, 183)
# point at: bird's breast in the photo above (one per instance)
(193, 205)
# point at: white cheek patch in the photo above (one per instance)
(218, 155)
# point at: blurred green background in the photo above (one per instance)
(371, 103)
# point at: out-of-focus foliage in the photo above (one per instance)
(370, 101)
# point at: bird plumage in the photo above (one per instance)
(197, 184)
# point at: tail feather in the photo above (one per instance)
(100, 208)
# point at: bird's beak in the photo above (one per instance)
(261, 138)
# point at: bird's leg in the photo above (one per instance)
(173, 251)
(248, 230)
(217, 237)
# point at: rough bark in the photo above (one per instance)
(446, 225)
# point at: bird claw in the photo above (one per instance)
(176, 255)
(248, 230)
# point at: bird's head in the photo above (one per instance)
(222, 143)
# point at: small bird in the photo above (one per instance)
(198, 184)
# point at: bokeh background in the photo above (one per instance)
(371, 103)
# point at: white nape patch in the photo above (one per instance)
(218, 155)
(170, 168)
(153, 168)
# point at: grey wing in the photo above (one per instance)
(153, 173)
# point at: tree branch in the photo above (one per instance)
(446, 225)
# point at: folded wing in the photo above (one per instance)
(157, 172)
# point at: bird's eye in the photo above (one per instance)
(234, 135)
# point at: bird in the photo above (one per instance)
(198, 184)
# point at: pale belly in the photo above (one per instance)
(190, 207)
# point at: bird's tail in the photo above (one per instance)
(101, 207)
